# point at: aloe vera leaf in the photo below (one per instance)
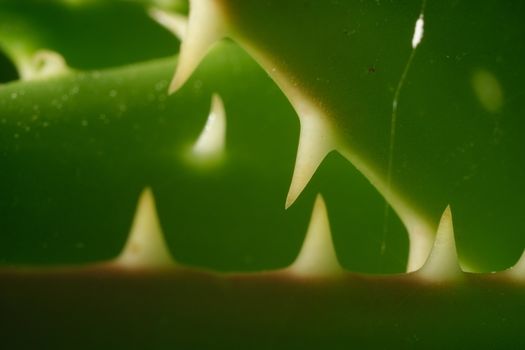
(161, 304)
(89, 35)
(454, 144)
(129, 134)
(126, 134)
(498, 326)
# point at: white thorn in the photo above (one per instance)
(317, 257)
(177, 24)
(418, 31)
(43, 64)
(145, 246)
(315, 142)
(211, 142)
(205, 27)
(442, 263)
(317, 136)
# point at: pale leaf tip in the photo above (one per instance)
(442, 263)
(317, 257)
(145, 246)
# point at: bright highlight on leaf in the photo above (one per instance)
(418, 32)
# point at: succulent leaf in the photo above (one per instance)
(389, 110)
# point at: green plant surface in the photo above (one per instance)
(124, 139)
(390, 134)
(87, 34)
(451, 146)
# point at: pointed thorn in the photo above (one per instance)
(315, 142)
(317, 257)
(317, 135)
(442, 263)
(177, 24)
(145, 246)
(43, 64)
(211, 143)
(205, 27)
